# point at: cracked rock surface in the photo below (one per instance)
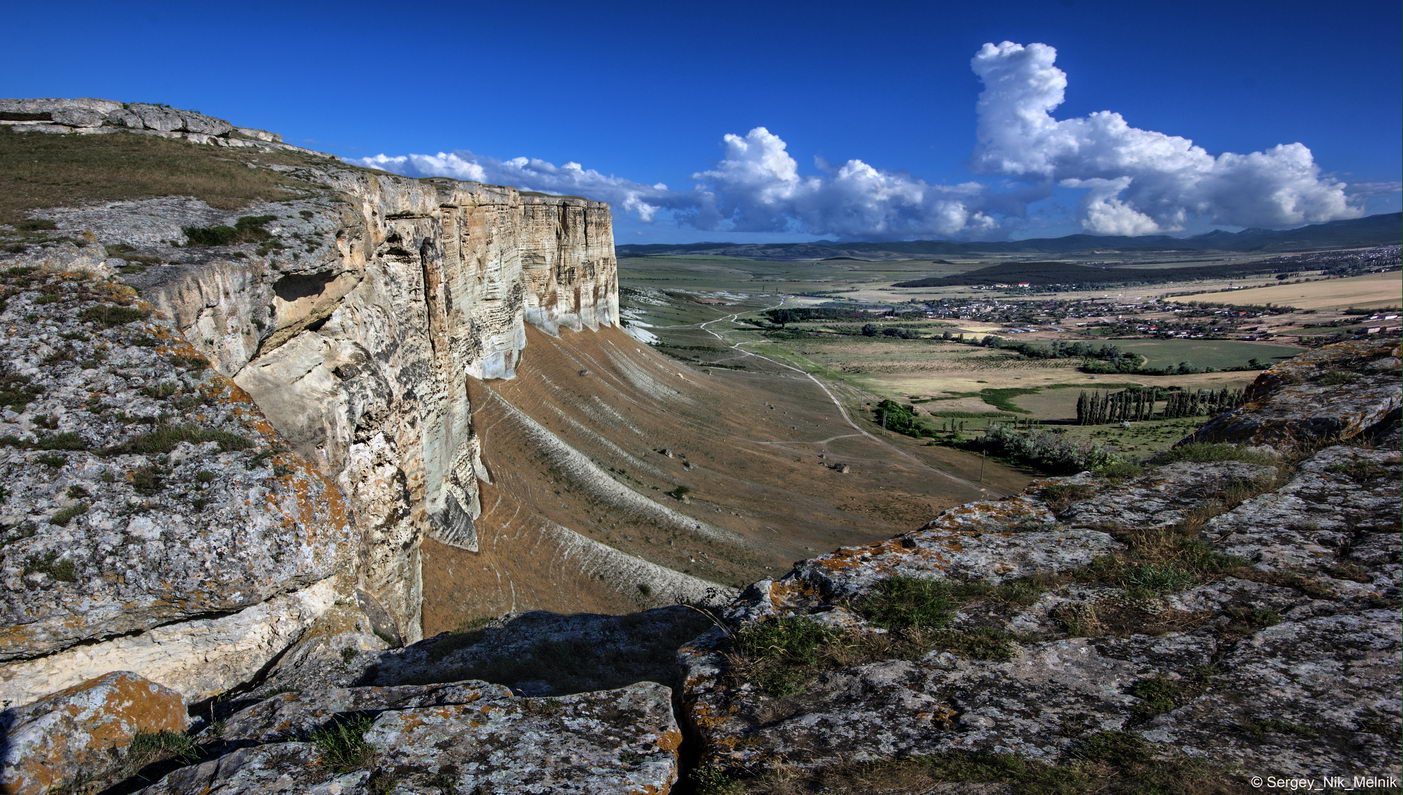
(1204, 620)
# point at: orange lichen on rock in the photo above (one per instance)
(76, 731)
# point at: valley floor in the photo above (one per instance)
(603, 444)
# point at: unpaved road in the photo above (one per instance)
(842, 410)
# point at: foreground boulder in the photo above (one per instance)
(84, 734)
(1223, 614)
(463, 737)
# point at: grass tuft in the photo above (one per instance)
(50, 563)
(909, 602)
(342, 744)
(165, 439)
(784, 654)
(148, 748)
(110, 315)
(63, 516)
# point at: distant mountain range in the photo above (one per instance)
(1369, 231)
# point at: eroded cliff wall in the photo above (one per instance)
(345, 317)
(403, 290)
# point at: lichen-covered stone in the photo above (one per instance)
(294, 715)
(200, 658)
(142, 488)
(338, 650)
(1335, 521)
(468, 737)
(82, 732)
(1296, 403)
(89, 115)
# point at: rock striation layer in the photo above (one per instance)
(352, 313)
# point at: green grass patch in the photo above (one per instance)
(16, 391)
(1216, 354)
(1001, 398)
(784, 654)
(165, 439)
(909, 603)
(63, 516)
(61, 569)
(1158, 695)
(341, 744)
(68, 170)
(111, 315)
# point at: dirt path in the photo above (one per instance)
(842, 410)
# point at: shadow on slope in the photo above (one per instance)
(548, 654)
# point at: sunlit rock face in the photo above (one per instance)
(358, 338)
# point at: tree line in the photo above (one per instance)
(1133, 405)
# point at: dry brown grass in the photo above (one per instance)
(43, 170)
(1375, 289)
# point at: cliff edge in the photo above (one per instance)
(1228, 610)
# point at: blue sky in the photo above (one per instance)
(872, 120)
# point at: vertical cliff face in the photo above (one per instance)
(358, 344)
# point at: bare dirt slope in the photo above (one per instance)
(587, 446)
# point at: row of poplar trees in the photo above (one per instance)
(1131, 405)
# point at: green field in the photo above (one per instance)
(1218, 354)
(957, 390)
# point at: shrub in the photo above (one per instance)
(1046, 451)
(247, 229)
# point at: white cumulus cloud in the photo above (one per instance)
(757, 187)
(1138, 181)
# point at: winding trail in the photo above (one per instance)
(842, 410)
